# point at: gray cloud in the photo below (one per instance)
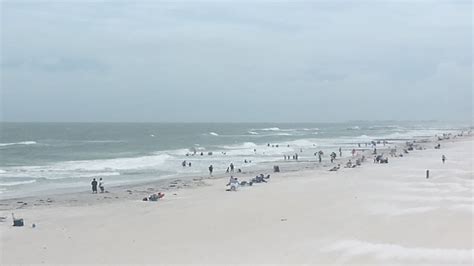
(238, 61)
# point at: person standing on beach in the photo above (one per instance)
(211, 168)
(443, 158)
(340, 152)
(101, 185)
(232, 167)
(94, 186)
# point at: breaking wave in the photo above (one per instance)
(16, 183)
(18, 143)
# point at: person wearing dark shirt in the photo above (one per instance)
(94, 186)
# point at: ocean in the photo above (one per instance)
(43, 158)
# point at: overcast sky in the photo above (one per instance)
(236, 61)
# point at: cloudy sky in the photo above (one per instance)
(236, 61)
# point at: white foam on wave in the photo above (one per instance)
(16, 183)
(303, 142)
(99, 174)
(267, 129)
(416, 133)
(127, 163)
(403, 135)
(213, 134)
(283, 134)
(108, 165)
(18, 143)
(103, 141)
(245, 145)
(179, 152)
(364, 137)
(352, 248)
(252, 133)
(391, 127)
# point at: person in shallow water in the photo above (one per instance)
(94, 185)
(101, 185)
(211, 168)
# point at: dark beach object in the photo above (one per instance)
(427, 174)
(276, 168)
(17, 222)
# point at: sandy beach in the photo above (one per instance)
(375, 214)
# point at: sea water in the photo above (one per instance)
(42, 158)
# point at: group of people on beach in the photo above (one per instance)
(234, 183)
(101, 185)
(288, 157)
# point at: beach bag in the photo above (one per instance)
(17, 222)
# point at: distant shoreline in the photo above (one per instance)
(169, 185)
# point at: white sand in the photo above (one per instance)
(376, 214)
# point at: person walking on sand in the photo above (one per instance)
(94, 186)
(101, 185)
(443, 158)
(232, 167)
(211, 168)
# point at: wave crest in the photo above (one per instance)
(18, 143)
